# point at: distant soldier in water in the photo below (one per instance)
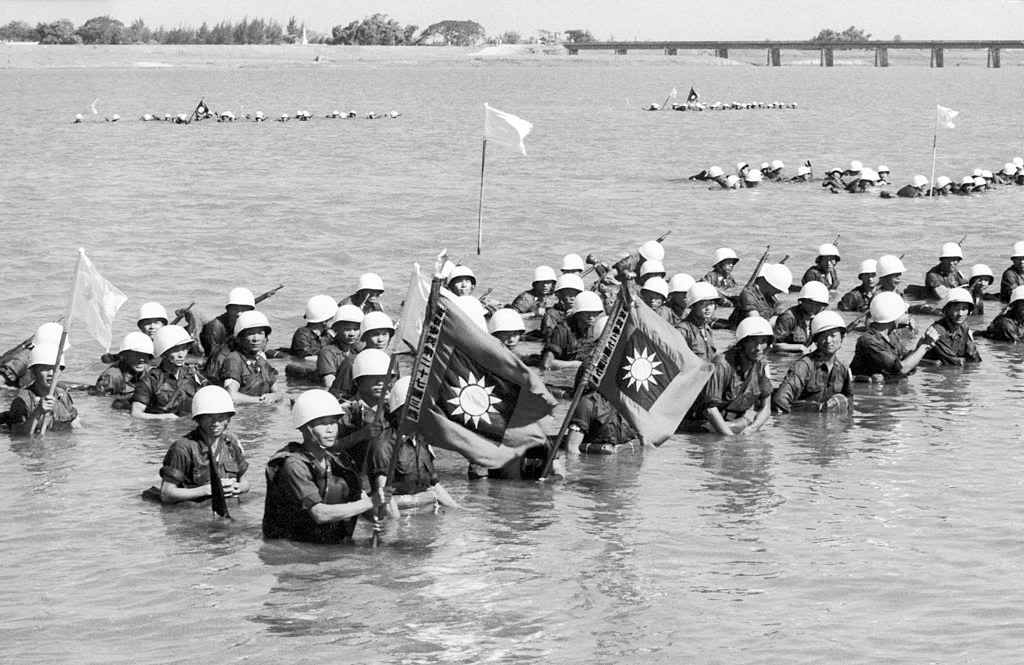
(541, 294)
(314, 336)
(1008, 326)
(859, 298)
(368, 292)
(1014, 275)
(945, 276)
(981, 278)
(132, 364)
(916, 189)
(824, 268)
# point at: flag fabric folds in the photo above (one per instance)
(645, 369)
(410, 325)
(471, 395)
(945, 116)
(505, 128)
(94, 301)
(202, 110)
(674, 93)
(693, 96)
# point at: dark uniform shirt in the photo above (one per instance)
(935, 278)
(878, 352)
(811, 380)
(414, 470)
(1011, 280)
(356, 417)
(308, 342)
(1005, 328)
(856, 300)
(600, 423)
(164, 391)
(187, 462)
(565, 344)
(954, 343)
(120, 383)
(793, 326)
(698, 338)
(331, 357)
(735, 386)
(554, 315)
(26, 401)
(829, 279)
(751, 299)
(214, 333)
(296, 482)
(14, 369)
(254, 374)
(367, 306)
(528, 302)
(344, 386)
(720, 281)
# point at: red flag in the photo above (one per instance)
(647, 372)
(471, 395)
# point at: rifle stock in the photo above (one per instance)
(757, 268)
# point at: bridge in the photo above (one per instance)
(827, 50)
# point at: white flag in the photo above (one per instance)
(94, 301)
(505, 128)
(410, 325)
(946, 116)
(674, 93)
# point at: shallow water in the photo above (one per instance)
(890, 536)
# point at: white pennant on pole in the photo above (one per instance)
(505, 128)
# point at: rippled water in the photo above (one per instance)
(892, 536)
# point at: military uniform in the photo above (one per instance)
(414, 470)
(554, 315)
(601, 425)
(187, 462)
(367, 306)
(26, 401)
(720, 281)
(816, 274)
(734, 387)
(935, 278)
(254, 374)
(856, 300)
(752, 299)
(344, 386)
(120, 383)
(793, 326)
(811, 380)
(308, 342)
(1011, 280)
(1005, 329)
(878, 352)
(166, 390)
(565, 343)
(529, 302)
(215, 333)
(297, 481)
(955, 344)
(699, 338)
(331, 356)
(355, 416)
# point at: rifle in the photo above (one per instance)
(784, 259)
(263, 296)
(180, 314)
(219, 501)
(594, 262)
(757, 268)
(836, 241)
(21, 345)
(961, 243)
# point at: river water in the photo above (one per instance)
(892, 536)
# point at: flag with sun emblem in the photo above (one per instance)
(471, 395)
(647, 372)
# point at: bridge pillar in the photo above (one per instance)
(993, 58)
(827, 57)
(573, 51)
(722, 52)
(938, 57)
(774, 57)
(671, 51)
(621, 51)
(881, 57)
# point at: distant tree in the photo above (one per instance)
(292, 31)
(103, 30)
(897, 38)
(409, 34)
(138, 33)
(849, 35)
(18, 31)
(454, 33)
(58, 32)
(372, 30)
(578, 37)
(548, 36)
(509, 37)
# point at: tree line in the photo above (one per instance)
(378, 29)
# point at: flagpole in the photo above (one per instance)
(63, 341)
(581, 385)
(935, 141)
(480, 205)
(378, 421)
(665, 105)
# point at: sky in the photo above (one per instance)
(605, 19)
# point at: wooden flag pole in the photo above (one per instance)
(39, 418)
(935, 141)
(480, 205)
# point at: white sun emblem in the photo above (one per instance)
(641, 368)
(474, 400)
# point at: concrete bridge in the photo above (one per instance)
(774, 49)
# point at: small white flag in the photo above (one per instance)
(505, 128)
(946, 116)
(674, 93)
(94, 301)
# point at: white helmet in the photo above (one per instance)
(652, 251)
(887, 306)
(544, 274)
(958, 295)
(814, 291)
(1017, 294)
(754, 326)
(742, 165)
(680, 283)
(919, 181)
(587, 301)
(462, 271)
(715, 171)
(890, 265)
(732, 181)
(765, 165)
(399, 391)
(570, 281)
(724, 254)
(137, 341)
(349, 313)
(313, 404)
(242, 297)
(573, 262)
(967, 180)
(699, 292)
(868, 266)
(169, 337)
(209, 400)
(882, 168)
(1018, 250)
(1009, 168)
(777, 164)
(153, 310)
(506, 320)
(982, 270)
(752, 176)
(652, 267)
(1018, 161)
(45, 354)
(828, 249)
(951, 250)
(320, 308)
(778, 275)
(376, 321)
(856, 166)
(979, 181)
(370, 362)
(826, 321)
(656, 285)
(369, 281)
(868, 174)
(942, 181)
(251, 320)
(50, 333)
(803, 169)
(986, 174)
